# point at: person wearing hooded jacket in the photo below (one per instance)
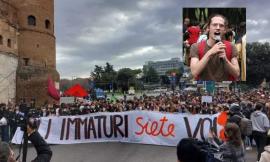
(260, 127)
(265, 156)
(235, 114)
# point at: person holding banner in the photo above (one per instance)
(44, 152)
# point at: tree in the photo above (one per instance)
(137, 71)
(165, 80)
(97, 74)
(108, 68)
(109, 76)
(125, 77)
(258, 67)
(104, 76)
(65, 84)
(150, 75)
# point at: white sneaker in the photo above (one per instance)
(248, 148)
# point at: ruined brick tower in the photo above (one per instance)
(8, 51)
(36, 49)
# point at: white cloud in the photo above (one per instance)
(62, 53)
(258, 22)
(153, 4)
(142, 51)
(62, 49)
(162, 51)
(178, 27)
(110, 27)
(129, 33)
(163, 27)
(264, 40)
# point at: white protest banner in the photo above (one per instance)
(134, 126)
(207, 99)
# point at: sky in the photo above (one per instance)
(128, 33)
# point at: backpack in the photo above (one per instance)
(193, 150)
(228, 50)
(246, 126)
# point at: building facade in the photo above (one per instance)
(8, 51)
(31, 31)
(163, 66)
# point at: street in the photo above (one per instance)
(115, 152)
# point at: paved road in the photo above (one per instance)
(114, 152)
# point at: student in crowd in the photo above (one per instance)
(233, 149)
(260, 125)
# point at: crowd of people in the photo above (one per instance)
(178, 102)
(43, 150)
(253, 106)
(243, 104)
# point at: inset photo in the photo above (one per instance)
(214, 43)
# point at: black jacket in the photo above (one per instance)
(40, 144)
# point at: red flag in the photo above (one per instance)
(52, 91)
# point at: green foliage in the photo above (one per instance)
(258, 59)
(150, 75)
(137, 71)
(64, 84)
(125, 78)
(104, 76)
(125, 74)
(97, 74)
